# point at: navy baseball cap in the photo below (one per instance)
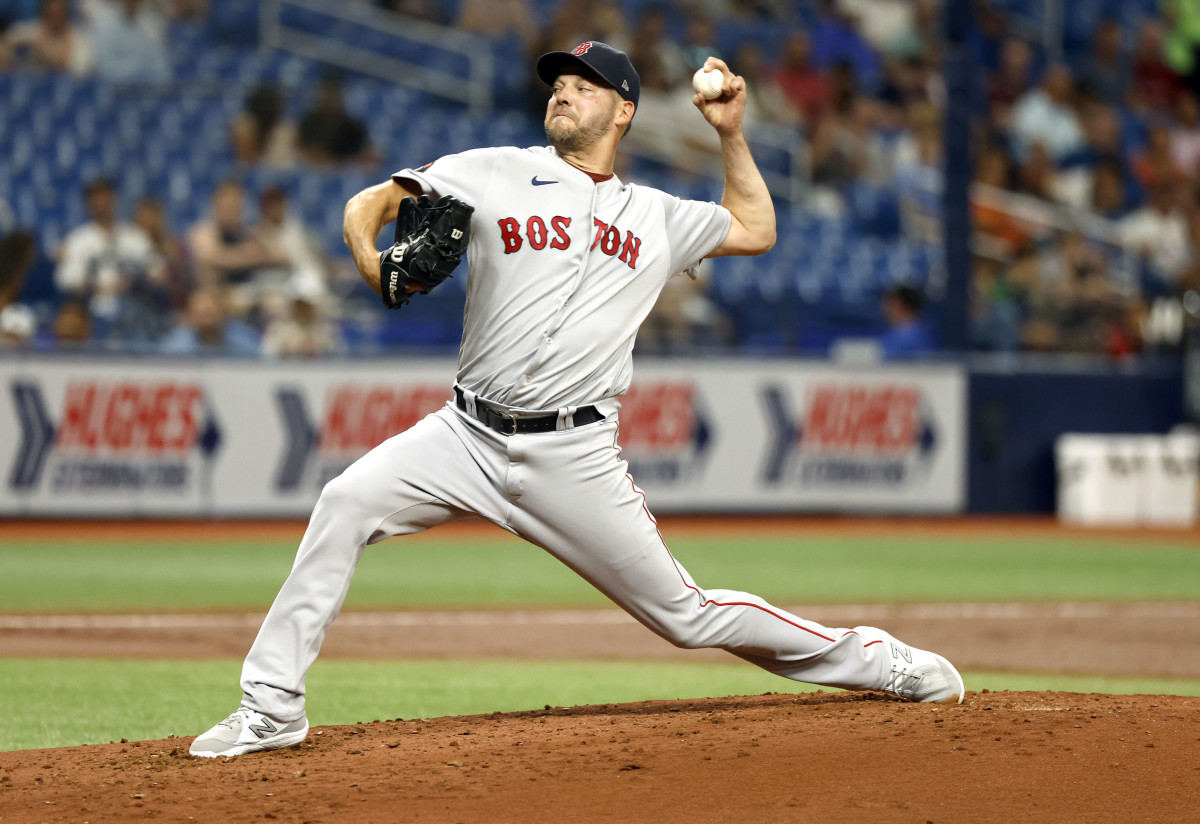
(612, 65)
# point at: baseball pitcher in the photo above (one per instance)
(566, 260)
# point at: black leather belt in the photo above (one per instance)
(512, 425)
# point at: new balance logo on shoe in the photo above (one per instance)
(233, 735)
(264, 729)
(920, 675)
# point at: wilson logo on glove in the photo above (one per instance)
(429, 244)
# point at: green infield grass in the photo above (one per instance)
(187, 575)
(64, 702)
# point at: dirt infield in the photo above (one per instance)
(827, 758)
(1148, 640)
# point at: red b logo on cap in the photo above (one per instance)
(582, 48)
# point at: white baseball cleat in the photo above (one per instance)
(922, 676)
(248, 731)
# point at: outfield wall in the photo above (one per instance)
(119, 438)
(1018, 409)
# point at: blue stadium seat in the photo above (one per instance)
(220, 64)
(111, 151)
(362, 97)
(84, 124)
(383, 43)
(58, 132)
(133, 182)
(876, 209)
(233, 21)
(41, 124)
(179, 187)
(303, 19)
(767, 36)
(808, 284)
(51, 227)
(23, 203)
(66, 153)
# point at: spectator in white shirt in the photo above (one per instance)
(100, 260)
(226, 252)
(1159, 233)
(206, 329)
(304, 332)
(300, 268)
(129, 41)
(1185, 134)
(304, 270)
(1046, 115)
(51, 41)
(18, 323)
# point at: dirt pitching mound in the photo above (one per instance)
(829, 758)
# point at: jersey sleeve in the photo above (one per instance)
(464, 176)
(693, 230)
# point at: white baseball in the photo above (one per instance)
(708, 83)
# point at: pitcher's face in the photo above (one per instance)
(579, 113)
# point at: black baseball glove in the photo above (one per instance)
(430, 241)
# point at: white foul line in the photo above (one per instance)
(854, 613)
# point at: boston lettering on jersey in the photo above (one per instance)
(536, 232)
(608, 238)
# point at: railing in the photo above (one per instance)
(475, 52)
(431, 41)
(1042, 219)
(781, 152)
(1039, 220)
(794, 184)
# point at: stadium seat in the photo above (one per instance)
(233, 21)
(173, 143)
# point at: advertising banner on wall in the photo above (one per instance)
(96, 441)
(788, 436)
(131, 438)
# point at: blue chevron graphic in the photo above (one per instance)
(302, 438)
(210, 436)
(37, 431)
(703, 434)
(784, 429)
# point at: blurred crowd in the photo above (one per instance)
(227, 286)
(118, 40)
(247, 279)
(1097, 249)
(1086, 164)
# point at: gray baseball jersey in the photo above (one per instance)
(563, 269)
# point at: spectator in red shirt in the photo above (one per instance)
(1155, 86)
(802, 83)
(1155, 165)
(1012, 79)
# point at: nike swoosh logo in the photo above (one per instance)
(537, 182)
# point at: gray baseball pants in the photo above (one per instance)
(567, 491)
